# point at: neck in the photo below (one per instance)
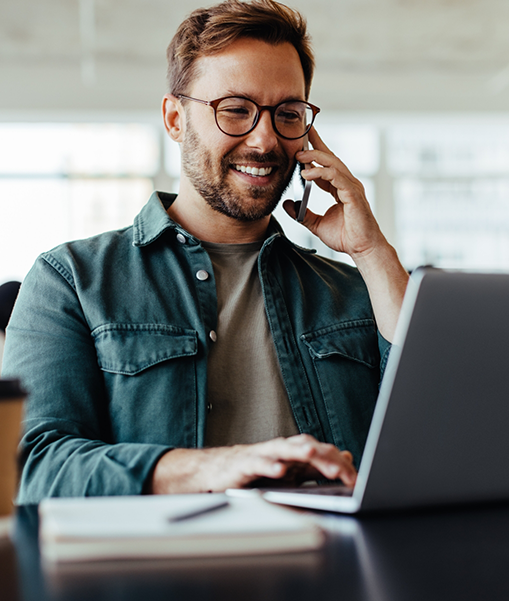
(202, 221)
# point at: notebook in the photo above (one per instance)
(440, 430)
(190, 525)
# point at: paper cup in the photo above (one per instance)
(11, 409)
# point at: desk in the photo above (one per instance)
(448, 555)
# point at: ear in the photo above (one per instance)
(174, 117)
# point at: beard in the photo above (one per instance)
(210, 179)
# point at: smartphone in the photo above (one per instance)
(307, 188)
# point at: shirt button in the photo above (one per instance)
(181, 238)
(202, 275)
(209, 408)
(213, 335)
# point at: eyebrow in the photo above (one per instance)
(248, 97)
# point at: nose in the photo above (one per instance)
(263, 137)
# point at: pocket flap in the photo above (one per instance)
(356, 340)
(130, 348)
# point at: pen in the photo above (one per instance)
(195, 512)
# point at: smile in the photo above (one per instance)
(256, 171)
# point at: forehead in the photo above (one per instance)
(265, 72)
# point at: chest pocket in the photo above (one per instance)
(356, 340)
(151, 383)
(129, 349)
(346, 360)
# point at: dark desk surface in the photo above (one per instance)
(460, 554)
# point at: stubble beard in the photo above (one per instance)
(210, 180)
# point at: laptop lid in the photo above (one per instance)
(440, 430)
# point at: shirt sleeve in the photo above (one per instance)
(384, 346)
(66, 447)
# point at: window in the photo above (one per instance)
(451, 194)
(61, 181)
(439, 186)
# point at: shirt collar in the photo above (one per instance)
(153, 220)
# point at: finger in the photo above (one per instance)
(331, 471)
(336, 464)
(316, 141)
(260, 466)
(326, 458)
(322, 159)
(348, 455)
(320, 153)
(311, 220)
(292, 207)
(295, 448)
(302, 439)
(346, 184)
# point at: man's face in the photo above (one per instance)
(216, 164)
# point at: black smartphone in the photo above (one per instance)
(307, 188)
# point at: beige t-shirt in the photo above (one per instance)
(246, 394)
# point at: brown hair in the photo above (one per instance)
(209, 30)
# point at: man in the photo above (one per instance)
(200, 349)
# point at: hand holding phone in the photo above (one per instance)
(307, 189)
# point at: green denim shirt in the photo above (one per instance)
(110, 335)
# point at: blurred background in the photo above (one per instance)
(414, 97)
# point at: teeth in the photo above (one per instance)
(254, 170)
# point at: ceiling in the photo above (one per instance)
(372, 55)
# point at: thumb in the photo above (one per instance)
(310, 221)
(291, 207)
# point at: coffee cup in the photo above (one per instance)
(12, 396)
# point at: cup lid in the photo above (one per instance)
(11, 388)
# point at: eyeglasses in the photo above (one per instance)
(237, 116)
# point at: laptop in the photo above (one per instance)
(440, 430)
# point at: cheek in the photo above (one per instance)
(291, 148)
(217, 143)
(201, 125)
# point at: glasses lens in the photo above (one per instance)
(235, 116)
(293, 119)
